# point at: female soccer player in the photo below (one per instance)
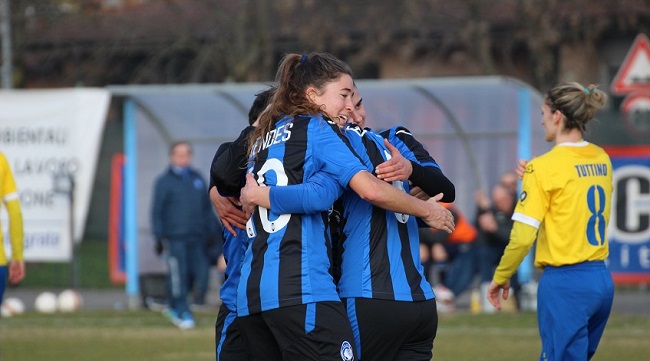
(286, 292)
(9, 195)
(389, 301)
(566, 197)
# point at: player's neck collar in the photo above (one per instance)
(580, 143)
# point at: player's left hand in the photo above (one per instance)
(229, 215)
(396, 168)
(439, 217)
(493, 293)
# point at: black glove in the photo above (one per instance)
(158, 248)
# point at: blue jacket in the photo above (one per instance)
(181, 207)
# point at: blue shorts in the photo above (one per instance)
(573, 305)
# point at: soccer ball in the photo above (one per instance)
(45, 302)
(12, 306)
(69, 301)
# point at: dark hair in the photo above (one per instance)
(262, 100)
(577, 103)
(295, 74)
(180, 142)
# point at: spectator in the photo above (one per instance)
(183, 221)
(452, 256)
(494, 223)
(9, 194)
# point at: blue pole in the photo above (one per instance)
(524, 146)
(130, 202)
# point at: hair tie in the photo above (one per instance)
(588, 92)
(303, 58)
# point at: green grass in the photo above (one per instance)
(146, 335)
(92, 270)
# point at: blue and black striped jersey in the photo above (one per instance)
(287, 260)
(379, 249)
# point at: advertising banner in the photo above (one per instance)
(51, 139)
(629, 225)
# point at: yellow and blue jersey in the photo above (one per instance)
(9, 195)
(566, 194)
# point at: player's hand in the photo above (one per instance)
(247, 195)
(229, 215)
(396, 168)
(493, 293)
(16, 271)
(418, 193)
(521, 168)
(439, 216)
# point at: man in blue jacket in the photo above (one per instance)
(183, 222)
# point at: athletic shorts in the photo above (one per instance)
(393, 330)
(229, 343)
(573, 306)
(317, 331)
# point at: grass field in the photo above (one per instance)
(146, 335)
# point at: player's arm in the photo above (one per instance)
(16, 263)
(384, 195)
(410, 161)
(228, 167)
(316, 195)
(522, 238)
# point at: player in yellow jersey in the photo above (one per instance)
(9, 196)
(565, 204)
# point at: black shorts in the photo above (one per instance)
(393, 330)
(229, 343)
(317, 331)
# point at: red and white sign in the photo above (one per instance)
(634, 73)
(636, 110)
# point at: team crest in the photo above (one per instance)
(346, 351)
(529, 168)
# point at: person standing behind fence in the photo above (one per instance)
(494, 223)
(566, 196)
(15, 268)
(183, 221)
